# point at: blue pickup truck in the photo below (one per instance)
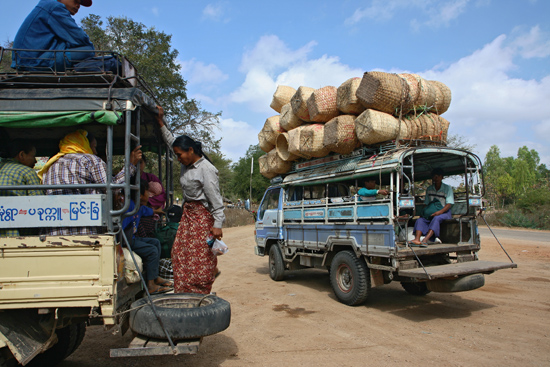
(313, 218)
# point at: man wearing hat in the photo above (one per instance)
(50, 26)
(430, 226)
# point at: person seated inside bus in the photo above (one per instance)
(439, 199)
(16, 168)
(369, 192)
(50, 27)
(147, 248)
(77, 163)
(157, 200)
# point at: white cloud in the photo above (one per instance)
(433, 13)
(155, 11)
(196, 72)
(216, 12)
(535, 43)
(234, 133)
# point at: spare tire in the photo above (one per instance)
(464, 283)
(184, 315)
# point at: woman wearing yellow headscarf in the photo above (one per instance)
(77, 163)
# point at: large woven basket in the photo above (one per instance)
(373, 127)
(383, 92)
(322, 104)
(282, 148)
(282, 96)
(264, 167)
(272, 128)
(346, 98)
(413, 89)
(263, 141)
(288, 119)
(299, 103)
(443, 97)
(294, 142)
(276, 164)
(339, 136)
(311, 140)
(426, 97)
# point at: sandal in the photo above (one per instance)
(161, 290)
(421, 244)
(166, 284)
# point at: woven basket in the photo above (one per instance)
(443, 97)
(339, 136)
(264, 167)
(276, 164)
(299, 103)
(426, 97)
(414, 89)
(322, 104)
(311, 140)
(373, 127)
(263, 141)
(444, 128)
(282, 148)
(294, 142)
(272, 128)
(282, 96)
(404, 130)
(346, 98)
(288, 119)
(383, 92)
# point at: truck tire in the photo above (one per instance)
(184, 315)
(350, 278)
(276, 264)
(69, 339)
(464, 283)
(416, 288)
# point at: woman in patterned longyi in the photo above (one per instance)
(194, 264)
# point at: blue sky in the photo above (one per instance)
(494, 55)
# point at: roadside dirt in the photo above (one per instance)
(298, 322)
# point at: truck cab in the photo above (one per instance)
(313, 217)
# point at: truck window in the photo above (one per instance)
(271, 201)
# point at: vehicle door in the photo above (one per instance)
(269, 219)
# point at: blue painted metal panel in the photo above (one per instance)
(317, 213)
(343, 212)
(292, 214)
(373, 211)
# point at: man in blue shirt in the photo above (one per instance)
(369, 192)
(50, 26)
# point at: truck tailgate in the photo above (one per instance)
(449, 270)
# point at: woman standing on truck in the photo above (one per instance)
(194, 263)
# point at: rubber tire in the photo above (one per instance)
(350, 278)
(182, 315)
(416, 288)
(69, 339)
(276, 264)
(462, 284)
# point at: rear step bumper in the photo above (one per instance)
(457, 269)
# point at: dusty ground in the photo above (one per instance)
(298, 322)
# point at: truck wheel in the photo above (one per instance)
(184, 315)
(350, 278)
(416, 288)
(276, 265)
(69, 339)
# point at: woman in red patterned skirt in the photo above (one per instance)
(194, 264)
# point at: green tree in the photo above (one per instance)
(225, 173)
(150, 51)
(5, 59)
(242, 182)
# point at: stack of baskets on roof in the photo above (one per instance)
(377, 108)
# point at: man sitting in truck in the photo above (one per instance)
(50, 27)
(77, 163)
(17, 169)
(369, 192)
(442, 195)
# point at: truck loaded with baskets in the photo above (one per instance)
(53, 286)
(385, 127)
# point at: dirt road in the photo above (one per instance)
(298, 322)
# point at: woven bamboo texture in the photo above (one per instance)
(339, 135)
(299, 103)
(346, 98)
(276, 164)
(264, 167)
(288, 119)
(426, 98)
(263, 141)
(294, 142)
(282, 148)
(383, 92)
(322, 104)
(373, 127)
(282, 96)
(311, 140)
(443, 97)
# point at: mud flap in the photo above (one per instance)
(23, 335)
